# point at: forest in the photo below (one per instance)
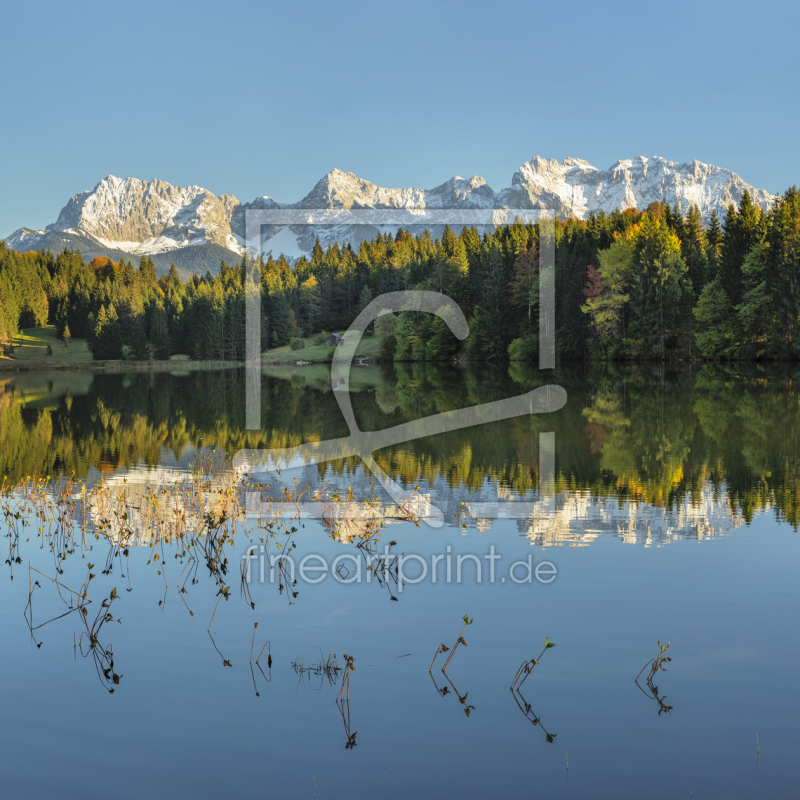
(635, 285)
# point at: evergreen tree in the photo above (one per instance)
(310, 303)
(524, 281)
(279, 320)
(159, 335)
(140, 350)
(756, 314)
(489, 335)
(693, 249)
(715, 334)
(317, 255)
(62, 318)
(106, 341)
(714, 248)
(742, 230)
(364, 299)
(783, 238)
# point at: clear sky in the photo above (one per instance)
(258, 98)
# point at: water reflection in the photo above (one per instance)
(147, 499)
(522, 674)
(145, 460)
(576, 518)
(655, 665)
(443, 648)
(682, 454)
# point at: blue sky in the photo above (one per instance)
(257, 98)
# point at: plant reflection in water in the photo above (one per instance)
(655, 665)
(520, 677)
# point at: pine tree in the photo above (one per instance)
(279, 320)
(159, 332)
(61, 318)
(714, 324)
(693, 249)
(783, 239)
(523, 282)
(147, 271)
(742, 230)
(106, 342)
(310, 303)
(317, 255)
(140, 350)
(292, 328)
(448, 241)
(489, 334)
(364, 299)
(713, 247)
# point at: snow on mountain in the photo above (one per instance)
(151, 217)
(344, 190)
(148, 216)
(577, 188)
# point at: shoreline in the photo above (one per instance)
(120, 366)
(190, 366)
(147, 366)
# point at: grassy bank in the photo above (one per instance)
(34, 346)
(40, 348)
(369, 348)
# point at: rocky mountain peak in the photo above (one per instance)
(154, 216)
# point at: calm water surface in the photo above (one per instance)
(672, 516)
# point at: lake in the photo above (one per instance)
(658, 507)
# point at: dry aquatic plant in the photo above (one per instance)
(382, 566)
(325, 667)
(527, 666)
(443, 648)
(348, 668)
(103, 656)
(343, 701)
(520, 677)
(655, 665)
(531, 716)
(267, 644)
(344, 709)
(191, 518)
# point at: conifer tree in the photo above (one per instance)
(279, 320)
(310, 303)
(140, 350)
(489, 335)
(742, 230)
(159, 331)
(693, 249)
(317, 255)
(62, 318)
(713, 247)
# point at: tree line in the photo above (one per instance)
(649, 284)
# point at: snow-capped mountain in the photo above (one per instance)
(149, 216)
(576, 188)
(155, 218)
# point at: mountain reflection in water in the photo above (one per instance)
(128, 534)
(642, 453)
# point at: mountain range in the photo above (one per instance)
(195, 230)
